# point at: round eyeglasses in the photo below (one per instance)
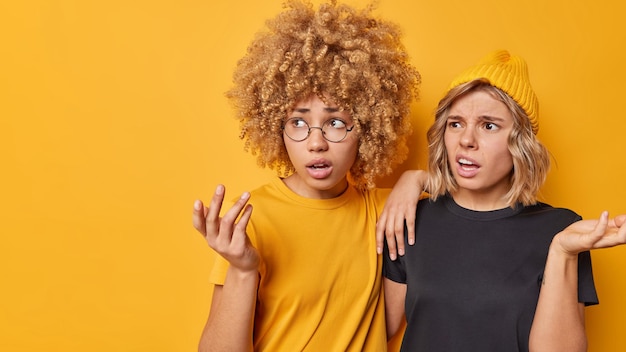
(333, 130)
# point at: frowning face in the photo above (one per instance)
(476, 140)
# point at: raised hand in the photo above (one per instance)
(585, 235)
(226, 235)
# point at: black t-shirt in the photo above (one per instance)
(474, 276)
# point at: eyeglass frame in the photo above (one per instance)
(308, 133)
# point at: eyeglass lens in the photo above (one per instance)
(333, 130)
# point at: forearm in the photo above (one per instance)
(559, 319)
(231, 319)
(414, 178)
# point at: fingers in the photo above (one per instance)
(223, 233)
(390, 227)
(599, 230)
(585, 235)
(398, 232)
(202, 214)
(410, 226)
(387, 224)
(207, 221)
(620, 220)
(401, 222)
(391, 245)
(601, 225)
(198, 217)
(239, 238)
(613, 233)
(213, 214)
(380, 233)
(621, 232)
(604, 219)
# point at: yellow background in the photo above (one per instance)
(113, 120)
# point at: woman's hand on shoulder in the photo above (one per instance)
(226, 235)
(400, 210)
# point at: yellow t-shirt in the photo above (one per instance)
(320, 281)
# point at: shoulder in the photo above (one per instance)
(275, 190)
(545, 217)
(547, 210)
(377, 194)
(427, 201)
(428, 204)
(372, 199)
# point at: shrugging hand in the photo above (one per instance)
(400, 209)
(226, 235)
(585, 235)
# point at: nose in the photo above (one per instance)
(468, 139)
(316, 141)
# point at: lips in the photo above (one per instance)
(467, 163)
(318, 163)
(467, 167)
(319, 168)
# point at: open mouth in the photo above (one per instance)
(318, 166)
(467, 164)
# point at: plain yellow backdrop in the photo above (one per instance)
(113, 120)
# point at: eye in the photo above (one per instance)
(297, 122)
(336, 123)
(491, 126)
(454, 124)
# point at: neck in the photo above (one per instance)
(478, 201)
(315, 191)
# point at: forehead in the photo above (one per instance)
(314, 99)
(314, 105)
(479, 104)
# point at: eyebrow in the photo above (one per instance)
(492, 118)
(326, 109)
(481, 117)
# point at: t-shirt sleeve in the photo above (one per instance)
(393, 269)
(379, 195)
(217, 275)
(586, 287)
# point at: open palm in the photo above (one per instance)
(585, 235)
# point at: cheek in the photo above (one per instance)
(448, 140)
(292, 149)
(350, 152)
(505, 158)
(447, 143)
(288, 146)
(353, 152)
(353, 143)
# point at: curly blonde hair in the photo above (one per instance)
(356, 60)
(531, 160)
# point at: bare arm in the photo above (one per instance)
(230, 323)
(395, 294)
(400, 207)
(559, 323)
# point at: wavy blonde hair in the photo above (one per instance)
(531, 160)
(354, 58)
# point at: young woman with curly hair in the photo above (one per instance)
(323, 98)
